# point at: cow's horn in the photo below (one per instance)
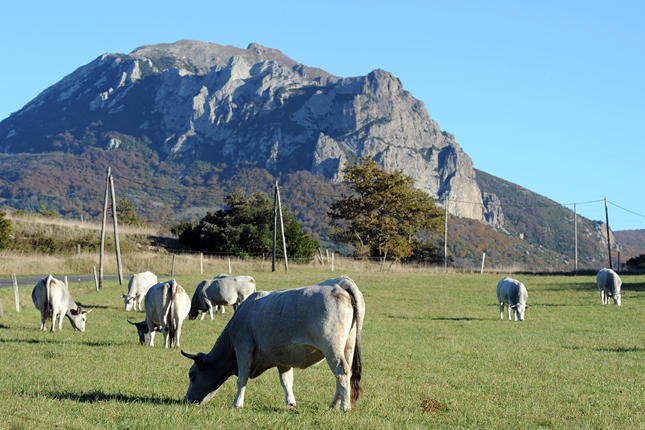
(191, 356)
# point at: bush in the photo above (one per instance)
(5, 230)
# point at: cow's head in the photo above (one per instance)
(205, 380)
(144, 331)
(616, 299)
(519, 310)
(78, 317)
(129, 302)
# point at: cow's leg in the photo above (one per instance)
(53, 329)
(509, 311)
(60, 321)
(244, 360)
(43, 321)
(177, 334)
(139, 301)
(286, 379)
(165, 336)
(501, 310)
(221, 307)
(203, 315)
(151, 330)
(343, 372)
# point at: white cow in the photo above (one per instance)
(287, 329)
(138, 286)
(222, 290)
(609, 286)
(512, 292)
(167, 306)
(51, 297)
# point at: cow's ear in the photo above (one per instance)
(528, 307)
(74, 311)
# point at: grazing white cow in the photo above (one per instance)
(51, 297)
(287, 329)
(221, 290)
(609, 286)
(513, 293)
(138, 286)
(167, 306)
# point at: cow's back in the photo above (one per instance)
(140, 283)
(292, 327)
(511, 291)
(609, 280)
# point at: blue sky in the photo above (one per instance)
(549, 95)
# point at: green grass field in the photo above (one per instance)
(435, 355)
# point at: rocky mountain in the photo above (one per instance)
(184, 124)
(194, 103)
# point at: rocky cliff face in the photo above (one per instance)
(198, 101)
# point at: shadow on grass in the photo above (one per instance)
(86, 306)
(633, 287)
(30, 341)
(3, 326)
(106, 343)
(607, 349)
(100, 396)
(402, 317)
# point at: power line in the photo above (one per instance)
(627, 210)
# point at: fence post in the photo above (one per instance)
(392, 264)
(229, 266)
(15, 291)
(201, 263)
(332, 261)
(483, 259)
(383, 262)
(1, 312)
(66, 285)
(172, 272)
(96, 280)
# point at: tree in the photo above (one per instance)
(245, 228)
(126, 213)
(5, 230)
(384, 214)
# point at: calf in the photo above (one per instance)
(512, 292)
(167, 306)
(220, 291)
(609, 286)
(51, 297)
(138, 286)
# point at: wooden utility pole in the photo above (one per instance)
(575, 233)
(105, 207)
(116, 232)
(284, 242)
(445, 235)
(275, 222)
(608, 238)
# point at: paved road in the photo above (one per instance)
(32, 280)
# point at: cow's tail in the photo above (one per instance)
(170, 312)
(48, 302)
(358, 303)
